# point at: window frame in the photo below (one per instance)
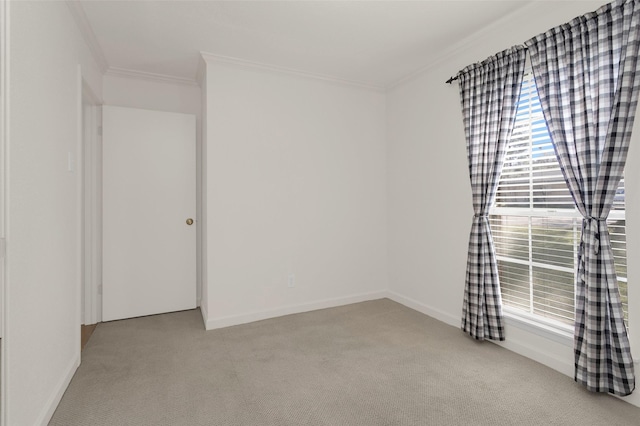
(529, 316)
(527, 319)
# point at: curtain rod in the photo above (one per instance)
(527, 71)
(527, 68)
(452, 79)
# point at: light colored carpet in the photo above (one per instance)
(372, 363)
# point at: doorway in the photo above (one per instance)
(149, 204)
(90, 155)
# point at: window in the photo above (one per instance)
(535, 225)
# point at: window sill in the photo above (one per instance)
(557, 332)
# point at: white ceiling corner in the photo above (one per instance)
(84, 26)
(370, 44)
(210, 57)
(455, 48)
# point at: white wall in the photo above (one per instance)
(303, 176)
(41, 346)
(202, 194)
(138, 92)
(430, 208)
(296, 184)
(120, 90)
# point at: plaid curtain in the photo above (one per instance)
(587, 77)
(489, 92)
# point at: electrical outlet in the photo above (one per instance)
(291, 281)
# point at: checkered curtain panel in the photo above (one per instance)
(588, 80)
(489, 92)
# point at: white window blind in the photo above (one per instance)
(535, 225)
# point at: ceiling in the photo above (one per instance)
(373, 43)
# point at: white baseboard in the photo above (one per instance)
(54, 400)
(519, 346)
(561, 365)
(427, 310)
(205, 315)
(214, 323)
(634, 398)
(564, 366)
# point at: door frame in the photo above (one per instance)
(90, 192)
(4, 138)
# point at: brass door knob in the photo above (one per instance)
(189, 221)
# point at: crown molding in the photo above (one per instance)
(149, 76)
(77, 11)
(463, 45)
(210, 57)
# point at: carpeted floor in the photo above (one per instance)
(372, 363)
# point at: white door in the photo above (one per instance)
(149, 197)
